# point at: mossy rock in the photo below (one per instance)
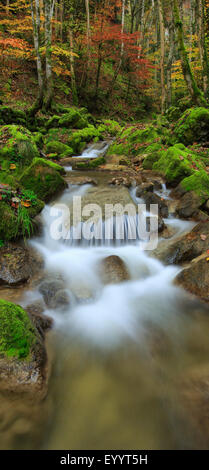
(79, 139)
(13, 224)
(8, 222)
(173, 114)
(59, 148)
(73, 119)
(44, 178)
(177, 163)
(9, 115)
(110, 127)
(132, 140)
(193, 126)
(38, 139)
(198, 182)
(17, 333)
(17, 145)
(94, 163)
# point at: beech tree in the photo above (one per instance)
(195, 92)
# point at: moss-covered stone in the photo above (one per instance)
(17, 333)
(173, 113)
(15, 224)
(59, 148)
(17, 145)
(177, 163)
(198, 182)
(193, 126)
(79, 139)
(38, 139)
(110, 127)
(132, 140)
(44, 178)
(8, 222)
(94, 163)
(10, 115)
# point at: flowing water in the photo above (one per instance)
(124, 355)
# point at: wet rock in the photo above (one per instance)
(113, 270)
(124, 181)
(23, 361)
(61, 299)
(49, 289)
(188, 205)
(143, 188)
(80, 180)
(195, 278)
(42, 322)
(15, 267)
(151, 198)
(187, 247)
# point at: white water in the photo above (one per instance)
(109, 314)
(95, 150)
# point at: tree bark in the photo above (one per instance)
(170, 60)
(72, 71)
(121, 52)
(49, 8)
(196, 94)
(35, 14)
(162, 55)
(202, 44)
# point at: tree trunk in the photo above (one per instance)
(162, 55)
(196, 94)
(72, 71)
(202, 44)
(35, 14)
(121, 52)
(170, 60)
(49, 8)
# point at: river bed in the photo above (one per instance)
(123, 356)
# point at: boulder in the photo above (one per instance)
(143, 188)
(44, 178)
(17, 145)
(188, 205)
(195, 278)
(113, 270)
(49, 289)
(187, 247)
(22, 353)
(15, 265)
(151, 198)
(193, 126)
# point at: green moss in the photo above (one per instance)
(38, 139)
(109, 126)
(43, 177)
(8, 222)
(173, 113)
(17, 333)
(59, 148)
(198, 182)
(17, 145)
(177, 164)
(79, 139)
(94, 163)
(193, 126)
(73, 119)
(132, 140)
(10, 115)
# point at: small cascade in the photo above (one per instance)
(97, 149)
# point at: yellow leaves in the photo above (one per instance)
(60, 51)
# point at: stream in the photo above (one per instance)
(122, 355)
